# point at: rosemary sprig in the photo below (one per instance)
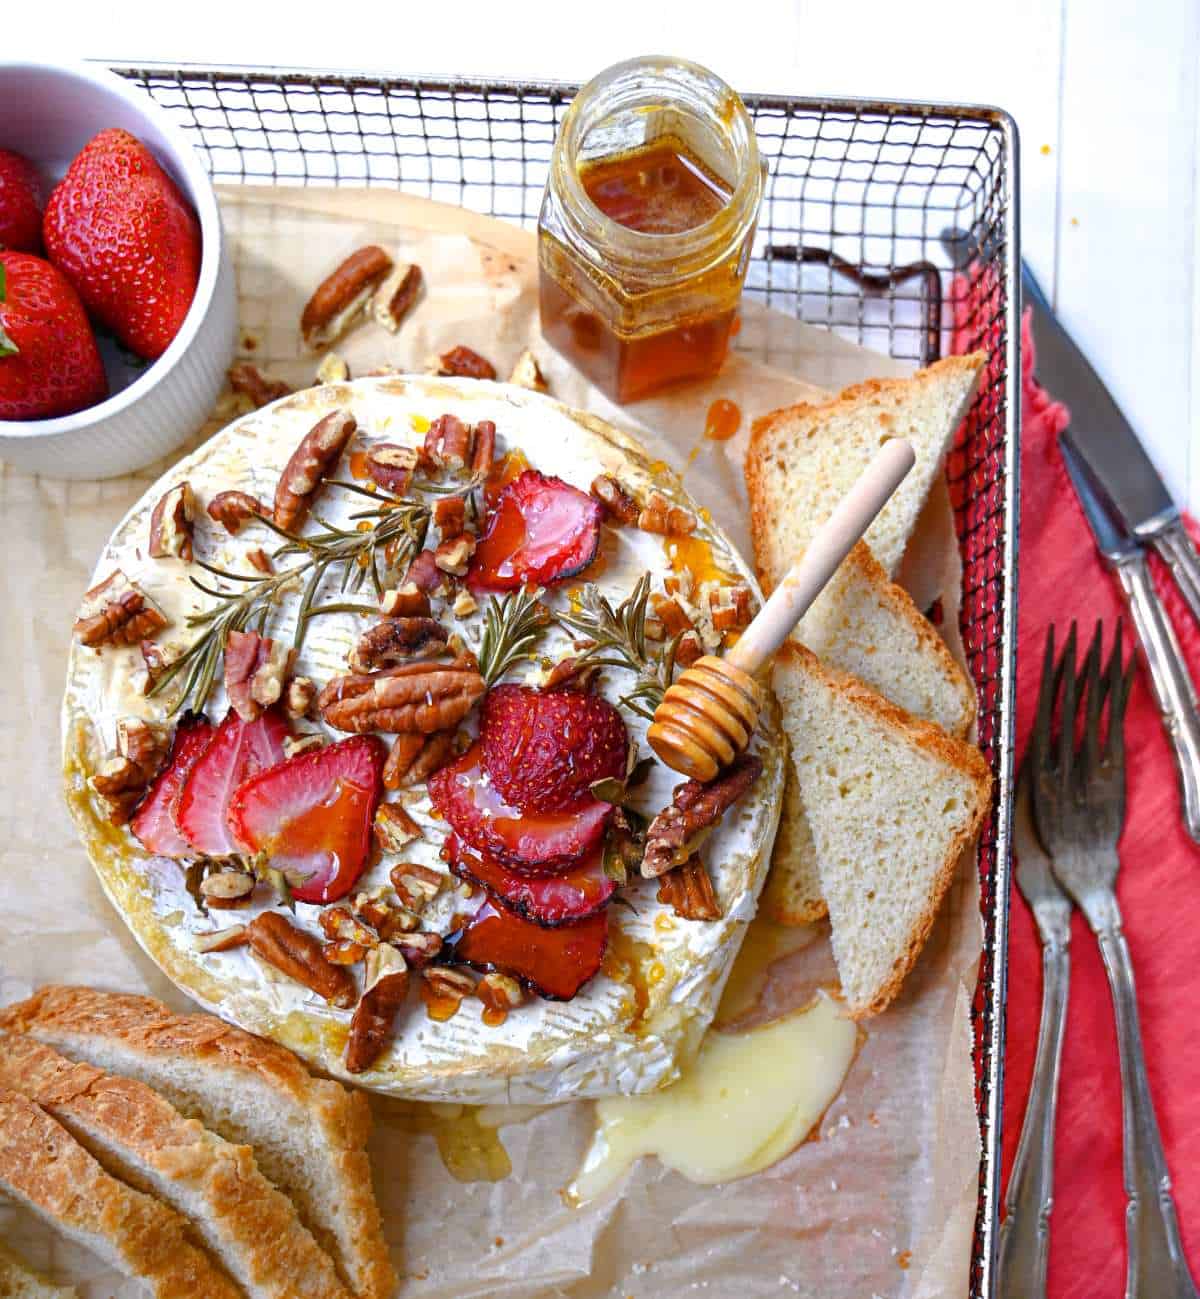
(393, 530)
(510, 628)
(618, 639)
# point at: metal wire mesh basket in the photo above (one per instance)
(859, 194)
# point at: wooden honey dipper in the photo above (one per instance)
(708, 716)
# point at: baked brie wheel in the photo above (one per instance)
(354, 735)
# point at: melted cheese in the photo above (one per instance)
(746, 1101)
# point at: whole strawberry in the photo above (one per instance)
(21, 196)
(122, 233)
(49, 364)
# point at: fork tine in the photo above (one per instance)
(1066, 725)
(1045, 706)
(1089, 752)
(1120, 679)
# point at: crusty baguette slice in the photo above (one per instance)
(43, 1167)
(248, 1225)
(308, 1134)
(892, 803)
(18, 1282)
(803, 459)
(869, 627)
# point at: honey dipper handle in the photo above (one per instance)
(804, 581)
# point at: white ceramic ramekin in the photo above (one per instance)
(48, 114)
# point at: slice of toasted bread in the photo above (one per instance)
(250, 1227)
(308, 1134)
(803, 459)
(892, 802)
(43, 1167)
(19, 1282)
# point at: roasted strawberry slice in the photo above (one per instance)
(312, 815)
(544, 748)
(542, 531)
(237, 750)
(154, 822)
(554, 962)
(532, 843)
(546, 900)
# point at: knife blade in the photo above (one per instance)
(1120, 468)
(1172, 686)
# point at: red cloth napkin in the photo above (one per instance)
(1062, 577)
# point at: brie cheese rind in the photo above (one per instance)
(662, 978)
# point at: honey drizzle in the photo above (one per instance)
(471, 1151)
(358, 465)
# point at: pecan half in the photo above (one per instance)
(416, 885)
(688, 889)
(395, 640)
(298, 954)
(319, 450)
(660, 516)
(617, 502)
(464, 362)
(234, 509)
(394, 828)
(172, 524)
(246, 379)
(117, 612)
(227, 889)
(414, 758)
(528, 374)
(696, 808)
(422, 697)
(395, 296)
(391, 466)
(343, 296)
(405, 601)
(256, 668)
(373, 1026)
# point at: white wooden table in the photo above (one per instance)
(1104, 92)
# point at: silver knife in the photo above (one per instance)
(1103, 436)
(1168, 672)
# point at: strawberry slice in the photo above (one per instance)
(532, 843)
(556, 963)
(238, 749)
(312, 815)
(154, 822)
(542, 531)
(544, 748)
(549, 900)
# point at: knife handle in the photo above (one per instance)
(1169, 677)
(1179, 551)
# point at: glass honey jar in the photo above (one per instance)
(646, 225)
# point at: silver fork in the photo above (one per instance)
(1079, 808)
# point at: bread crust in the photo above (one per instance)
(148, 1026)
(43, 1166)
(245, 1213)
(947, 749)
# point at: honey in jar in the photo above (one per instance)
(645, 229)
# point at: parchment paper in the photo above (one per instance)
(880, 1202)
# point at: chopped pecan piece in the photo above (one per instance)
(144, 745)
(391, 466)
(729, 607)
(422, 697)
(340, 925)
(345, 953)
(454, 556)
(258, 558)
(333, 369)
(444, 988)
(424, 574)
(117, 612)
(464, 604)
(172, 524)
(464, 362)
(222, 940)
(234, 509)
(406, 601)
(528, 374)
(696, 808)
(660, 516)
(617, 502)
(450, 515)
(500, 993)
(298, 954)
(318, 452)
(395, 640)
(227, 889)
(689, 649)
(671, 614)
(419, 949)
(416, 885)
(156, 660)
(299, 697)
(120, 784)
(256, 668)
(297, 744)
(572, 673)
(394, 827)
(414, 758)
(246, 379)
(388, 921)
(448, 443)
(342, 297)
(395, 296)
(373, 1026)
(688, 889)
(485, 447)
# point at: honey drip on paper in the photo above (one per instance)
(723, 420)
(763, 946)
(471, 1151)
